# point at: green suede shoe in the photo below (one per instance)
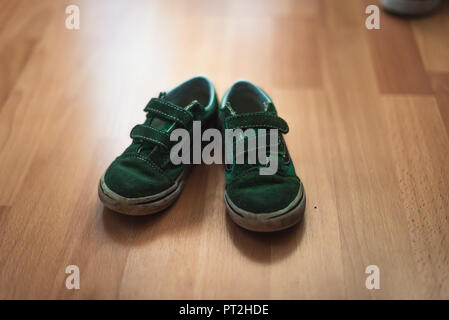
(143, 180)
(259, 202)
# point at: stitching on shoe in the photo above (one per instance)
(150, 163)
(167, 115)
(151, 139)
(258, 126)
(250, 170)
(175, 107)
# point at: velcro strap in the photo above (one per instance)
(150, 134)
(169, 111)
(257, 120)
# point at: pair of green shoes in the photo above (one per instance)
(144, 180)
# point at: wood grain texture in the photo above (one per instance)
(416, 130)
(368, 117)
(296, 46)
(440, 84)
(396, 58)
(432, 38)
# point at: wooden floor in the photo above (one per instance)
(369, 117)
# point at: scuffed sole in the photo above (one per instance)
(269, 222)
(140, 206)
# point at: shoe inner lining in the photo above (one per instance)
(245, 97)
(195, 89)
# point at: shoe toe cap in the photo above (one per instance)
(134, 178)
(263, 194)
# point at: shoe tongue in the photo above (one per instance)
(269, 108)
(165, 125)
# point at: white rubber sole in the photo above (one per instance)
(143, 205)
(272, 221)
